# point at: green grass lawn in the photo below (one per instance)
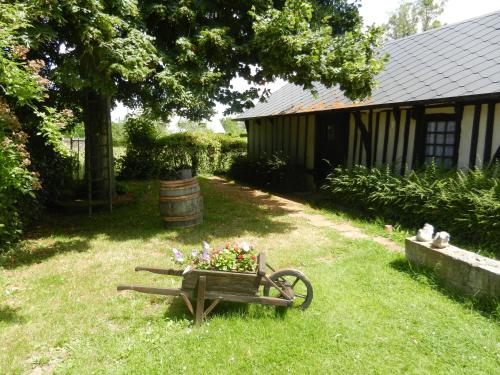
(59, 308)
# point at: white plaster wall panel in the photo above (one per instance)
(465, 137)
(482, 134)
(495, 144)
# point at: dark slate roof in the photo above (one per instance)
(456, 60)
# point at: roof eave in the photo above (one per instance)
(363, 106)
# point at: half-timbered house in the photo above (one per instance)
(438, 98)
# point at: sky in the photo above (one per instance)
(373, 12)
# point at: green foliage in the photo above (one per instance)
(273, 171)
(78, 131)
(192, 126)
(181, 55)
(17, 190)
(372, 313)
(232, 127)
(55, 169)
(27, 127)
(413, 16)
(341, 15)
(119, 136)
(17, 78)
(290, 48)
(232, 257)
(429, 11)
(466, 204)
(150, 154)
(18, 84)
(140, 132)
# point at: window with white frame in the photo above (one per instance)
(441, 142)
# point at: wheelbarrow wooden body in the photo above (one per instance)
(216, 286)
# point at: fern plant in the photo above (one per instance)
(464, 203)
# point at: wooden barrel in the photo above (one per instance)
(181, 203)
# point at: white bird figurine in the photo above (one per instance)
(441, 240)
(425, 234)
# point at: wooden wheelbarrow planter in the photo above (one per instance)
(287, 287)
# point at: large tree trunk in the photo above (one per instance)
(98, 145)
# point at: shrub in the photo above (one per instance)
(272, 171)
(150, 154)
(119, 138)
(464, 203)
(55, 169)
(17, 183)
(232, 127)
(23, 113)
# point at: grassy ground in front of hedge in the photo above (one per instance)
(371, 313)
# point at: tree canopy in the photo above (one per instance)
(232, 127)
(414, 16)
(180, 56)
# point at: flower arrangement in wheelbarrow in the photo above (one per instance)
(232, 257)
(244, 278)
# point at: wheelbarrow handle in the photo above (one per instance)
(149, 290)
(161, 271)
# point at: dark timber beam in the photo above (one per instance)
(365, 136)
(355, 146)
(405, 140)
(386, 136)
(397, 120)
(489, 133)
(419, 142)
(377, 132)
(370, 136)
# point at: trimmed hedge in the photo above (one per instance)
(464, 203)
(151, 155)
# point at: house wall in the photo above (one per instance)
(293, 135)
(391, 136)
(394, 140)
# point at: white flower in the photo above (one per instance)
(205, 246)
(245, 247)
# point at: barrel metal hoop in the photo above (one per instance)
(164, 198)
(181, 218)
(178, 184)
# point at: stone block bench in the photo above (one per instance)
(467, 272)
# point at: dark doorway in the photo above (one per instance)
(331, 141)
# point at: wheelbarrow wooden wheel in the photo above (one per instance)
(295, 280)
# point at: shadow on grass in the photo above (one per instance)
(321, 200)
(226, 215)
(26, 254)
(486, 307)
(10, 315)
(177, 310)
